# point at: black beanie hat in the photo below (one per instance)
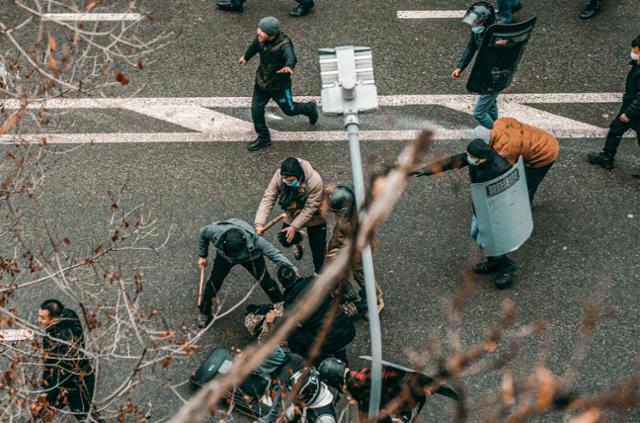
(234, 242)
(291, 167)
(478, 148)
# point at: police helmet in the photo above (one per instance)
(342, 200)
(480, 13)
(310, 385)
(332, 371)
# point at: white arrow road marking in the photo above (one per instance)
(196, 118)
(431, 14)
(76, 17)
(194, 114)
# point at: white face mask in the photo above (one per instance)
(471, 161)
(634, 56)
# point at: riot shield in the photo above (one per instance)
(503, 212)
(498, 57)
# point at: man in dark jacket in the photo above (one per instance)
(68, 377)
(479, 17)
(484, 165)
(273, 79)
(628, 116)
(303, 8)
(341, 330)
(236, 242)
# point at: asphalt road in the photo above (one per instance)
(587, 220)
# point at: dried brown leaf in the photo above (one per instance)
(90, 5)
(121, 77)
(52, 43)
(591, 416)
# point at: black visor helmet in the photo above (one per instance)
(342, 200)
(480, 13)
(332, 371)
(309, 382)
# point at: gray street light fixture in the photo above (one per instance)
(348, 88)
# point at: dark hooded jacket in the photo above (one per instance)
(274, 55)
(631, 98)
(64, 359)
(342, 329)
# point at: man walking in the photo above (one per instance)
(479, 17)
(68, 378)
(236, 242)
(273, 79)
(628, 116)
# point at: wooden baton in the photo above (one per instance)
(277, 219)
(201, 286)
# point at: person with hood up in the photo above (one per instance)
(297, 188)
(273, 79)
(236, 242)
(484, 165)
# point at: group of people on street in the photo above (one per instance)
(308, 204)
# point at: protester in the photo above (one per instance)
(236, 242)
(273, 79)
(628, 117)
(511, 139)
(68, 378)
(297, 188)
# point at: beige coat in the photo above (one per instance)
(310, 193)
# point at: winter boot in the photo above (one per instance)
(505, 276)
(490, 266)
(313, 114)
(230, 5)
(601, 159)
(259, 143)
(298, 252)
(300, 11)
(592, 9)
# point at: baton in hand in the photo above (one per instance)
(201, 286)
(277, 219)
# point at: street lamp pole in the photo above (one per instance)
(348, 87)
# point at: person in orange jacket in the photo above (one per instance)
(511, 138)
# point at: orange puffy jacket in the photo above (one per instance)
(511, 138)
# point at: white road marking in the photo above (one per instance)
(430, 14)
(195, 114)
(76, 17)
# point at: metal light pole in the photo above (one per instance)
(348, 87)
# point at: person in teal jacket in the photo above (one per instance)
(236, 242)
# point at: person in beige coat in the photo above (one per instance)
(297, 188)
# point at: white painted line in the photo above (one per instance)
(12, 335)
(195, 114)
(431, 14)
(76, 17)
(245, 102)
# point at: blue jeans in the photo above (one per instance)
(486, 110)
(505, 10)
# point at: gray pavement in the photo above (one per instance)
(587, 220)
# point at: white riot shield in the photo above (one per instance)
(503, 212)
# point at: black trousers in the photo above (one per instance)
(283, 98)
(77, 393)
(534, 176)
(617, 128)
(317, 243)
(222, 267)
